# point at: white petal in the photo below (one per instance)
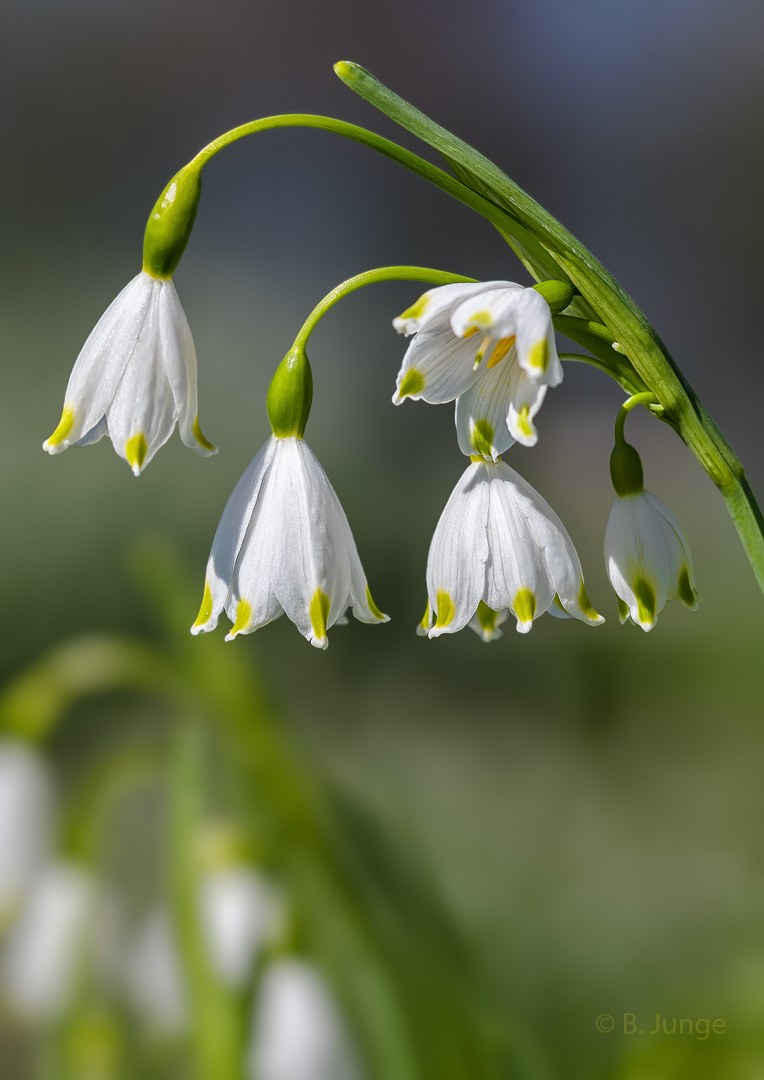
(433, 303)
(486, 622)
(560, 556)
(437, 367)
(481, 412)
(180, 363)
(681, 576)
(98, 370)
(490, 311)
(526, 398)
(637, 558)
(517, 576)
(536, 347)
(238, 911)
(229, 537)
(456, 564)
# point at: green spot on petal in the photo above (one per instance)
(243, 617)
(686, 592)
(623, 610)
(486, 616)
(481, 437)
(200, 437)
(205, 611)
(538, 355)
(482, 319)
(524, 606)
(646, 605)
(524, 423)
(136, 449)
(586, 605)
(411, 383)
(445, 612)
(424, 624)
(373, 607)
(65, 425)
(319, 613)
(417, 310)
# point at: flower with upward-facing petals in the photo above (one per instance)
(490, 346)
(499, 548)
(648, 558)
(135, 377)
(283, 543)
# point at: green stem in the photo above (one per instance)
(647, 398)
(216, 1018)
(371, 277)
(386, 147)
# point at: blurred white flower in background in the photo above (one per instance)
(298, 1033)
(26, 806)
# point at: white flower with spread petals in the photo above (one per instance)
(499, 548)
(135, 378)
(489, 345)
(648, 558)
(284, 545)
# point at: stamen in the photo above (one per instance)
(482, 350)
(502, 348)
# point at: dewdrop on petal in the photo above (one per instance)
(135, 377)
(283, 544)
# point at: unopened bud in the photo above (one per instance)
(290, 395)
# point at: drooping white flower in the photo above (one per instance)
(648, 558)
(489, 345)
(239, 912)
(26, 824)
(500, 548)
(284, 545)
(152, 976)
(134, 378)
(43, 954)
(298, 1032)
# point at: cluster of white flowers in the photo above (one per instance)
(284, 544)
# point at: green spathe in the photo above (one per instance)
(626, 470)
(290, 395)
(558, 294)
(171, 221)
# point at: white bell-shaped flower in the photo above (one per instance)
(499, 548)
(134, 378)
(25, 833)
(284, 545)
(152, 976)
(298, 1032)
(49, 941)
(490, 346)
(240, 912)
(648, 558)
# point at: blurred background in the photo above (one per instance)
(584, 806)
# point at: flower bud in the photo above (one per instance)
(290, 395)
(558, 294)
(626, 470)
(170, 223)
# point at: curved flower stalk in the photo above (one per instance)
(500, 548)
(283, 544)
(491, 347)
(602, 317)
(298, 1033)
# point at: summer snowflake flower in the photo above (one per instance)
(500, 548)
(648, 558)
(134, 378)
(284, 545)
(490, 346)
